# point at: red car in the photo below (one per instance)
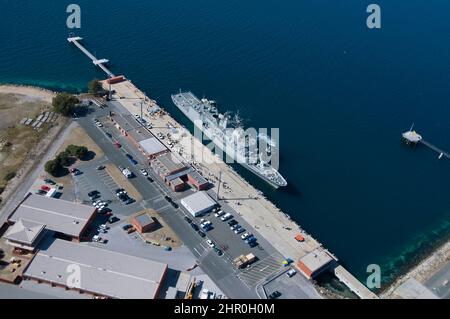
(117, 144)
(45, 188)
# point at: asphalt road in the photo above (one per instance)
(218, 268)
(439, 283)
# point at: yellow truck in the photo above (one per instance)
(244, 260)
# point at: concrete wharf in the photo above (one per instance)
(274, 220)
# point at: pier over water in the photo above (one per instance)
(99, 62)
(290, 246)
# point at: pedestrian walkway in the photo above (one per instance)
(260, 270)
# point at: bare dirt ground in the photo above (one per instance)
(19, 143)
(28, 92)
(163, 235)
(79, 137)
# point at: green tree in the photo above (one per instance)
(63, 158)
(95, 87)
(53, 167)
(64, 103)
(10, 176)
(79, 151)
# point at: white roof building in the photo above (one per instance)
(101, 272)
(55, 214)
(198, 203)
(152, 146)
(25, 234)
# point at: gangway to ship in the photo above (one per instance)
(98, 62)
(436, 149)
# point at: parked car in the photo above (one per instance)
(291, 272)
(194, 227)
(232, 222)
(202, 234)
(120, 191)
(239, 230)
(96, 196)
(187, 219)
(210, 243)
(275, 294)
(144, 172)
(150, 179)
(250, 239)
(234, 227)
(205, 223)
(104, 210)
(218, 251)
(253, 244)
(49, 181)
(100, 167)
(113, 219)
(93, 193)
(226, 217)
(246, 235)
(126, 227)
(41, 192)
(219, 213)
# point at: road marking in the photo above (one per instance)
(265, 268)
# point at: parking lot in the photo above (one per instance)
(155, 194)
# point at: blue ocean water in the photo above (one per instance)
(340, 93)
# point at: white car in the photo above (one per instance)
(204, 294)
(205, 223)
(246, 235)
(100, 204)
(96, 238)
(103, 226)
(239, 230)
(219, 213)
(234, 227)
(210, 243)
(99, 124)
(144, 172)
(291, 273)
(226, 217)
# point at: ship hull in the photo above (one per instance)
(195, 118)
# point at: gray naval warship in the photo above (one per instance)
(231, 140)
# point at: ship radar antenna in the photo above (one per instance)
(412, 126)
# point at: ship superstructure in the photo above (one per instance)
(228, 134)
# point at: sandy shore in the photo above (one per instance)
(29, 91)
